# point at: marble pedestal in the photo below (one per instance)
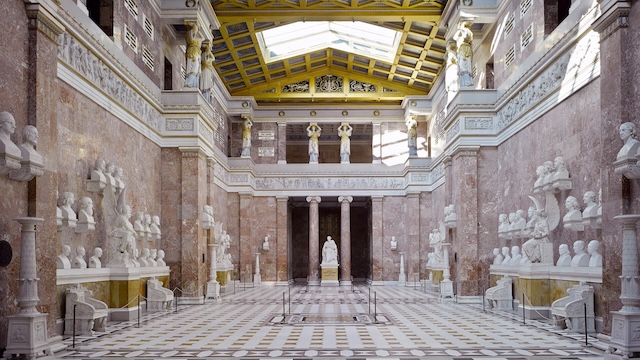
(446, 290)
(27, 335)
(329, 275)
(224, 274)
(623, 336)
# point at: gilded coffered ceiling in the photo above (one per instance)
(328, 75)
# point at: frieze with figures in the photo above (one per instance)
(97, 72)
(330, 183)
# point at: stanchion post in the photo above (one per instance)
(175, 299)
(375, 306)
(283, 306)
(586, 328)
(524, 321)
(369, 300)
(138, 310)
(483, 299)
(74, 325)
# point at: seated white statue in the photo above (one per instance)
(153, 254)
(207, 220)
(32, 164)
(498, 258)
(94, 261)
(144, 258)
(573, 219)
(581, 258)
(591, 209)
(78, 261)
(595, 259)
(160, 260)
(156, 233)
(506, 257)
(516, 257)
(85, 216)
(565, 256)
(329, 252)
(69, 217)
(10, 154)
(62, 260)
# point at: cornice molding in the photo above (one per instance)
(614, 15)
(42, 20)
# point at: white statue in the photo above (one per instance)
(506, 257)
(412, 135)
(153, 254)
(451, 73)
(498, 258)
(516, 257)
(595, 259)
(206, 77)
(121, 236)
(160, 260)
(108, 175)
(540, 173)
(62, 261)
(436, 238)
(538, 248)
(531, 222)
(591, 209)
(144, 258)
(565, 256)
(464, 37)
(573, 219)
(313, 131)
(194, 54)
(394, 243)
(246, 135)
(519, 223)
(581, 258)
(147, 226)
(329, 252)
(156, 233)
(86, 221)
(10, 154)
(117, 178)
(224, 258)
(344, 131)
(78, 261)
(135, 257)
(504, 226)
(560, 179)
(98, 179)
(94, 261)
(206, 219)
(69, 217)
(265, 243)
(32, 164)
(138, 225)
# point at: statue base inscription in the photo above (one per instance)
(329, 275)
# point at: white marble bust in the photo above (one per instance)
(573, 219)
(160, 260)
(156, 233)
(207, 220)
(117, 174)
(138, 225)
(549, 170)
(32, 164)
(506, 257)
(78, 261)
(519, 223)
(394, 243)
(503, 226)
(94, 261)
(631, 145)
(516, 257)
(595, 259)
(62, 260)
(147, 225)
(497, 260)
(144, 258)
(153, 254)
(591, 209)
(69, 217)
(10, 154)
(97, 174)
(108, 174)
(450, 216)
(560, 178)
(540, 173)
(581, 258)
(86, 221)
(565, 256)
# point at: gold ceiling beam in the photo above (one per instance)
(234, 16)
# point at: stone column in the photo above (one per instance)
(412, 246)
(464, 173)
(282, 239)
(27, 333)
(376, 143)
(446, 286)
(376, 240)
(282, 142)
(617, 86)
(246, 239)
(213, 286)
(345, 239)
(314, 240)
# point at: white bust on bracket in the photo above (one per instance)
(86, 221)
(626, 161)
(206, 219)
(10, 154)
(573, 219)
(581, 258)
(32, 164)
(561, 180)
(98, 179)
(595, 258)
(69, 217)
(565, 255)
(590, 213)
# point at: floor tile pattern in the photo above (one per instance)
(368, 323)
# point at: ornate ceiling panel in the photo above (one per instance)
(328, 75)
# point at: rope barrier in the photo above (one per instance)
(135, 298)
(536, 311)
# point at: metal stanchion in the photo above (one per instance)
(175, 300)
(586, 328)
(138, 310)
(523, 317)
(375, 307)
(234, 286)
(369, 300)
(283, 306)
(74, 325)
(483, 291)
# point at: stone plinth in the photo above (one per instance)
(329, 275)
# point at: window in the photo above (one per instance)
(148, 27)
(147, 57)
(351, 36)
(509, 56)
(168, 75)
(525, 5)
(101, 12)
(554, 13)
(132, 7)
(130, 38)
(508, 25)
(526, 37)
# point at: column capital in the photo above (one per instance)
(211, 161)
(282, 197)
(188, 151)
(614, 15)
(376, 198)
(40, 18)
(245, 194)
(314, 198)
(345, 198)
(466, 151)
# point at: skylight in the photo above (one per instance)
(351, 36)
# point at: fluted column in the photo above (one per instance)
(345, 239)
(630, 291)
(314, 240)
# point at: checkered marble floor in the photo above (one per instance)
(329, 323)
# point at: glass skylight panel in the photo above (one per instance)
(351, 36)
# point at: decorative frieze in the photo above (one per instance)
(482, 123)
(362, 183)
(453, 130)
(179, 125)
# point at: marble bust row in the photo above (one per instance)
(581, 258)
(148, 258)
(514, 226)
(552, 176)
(103, 174)
(21, 162)
(576, 220)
